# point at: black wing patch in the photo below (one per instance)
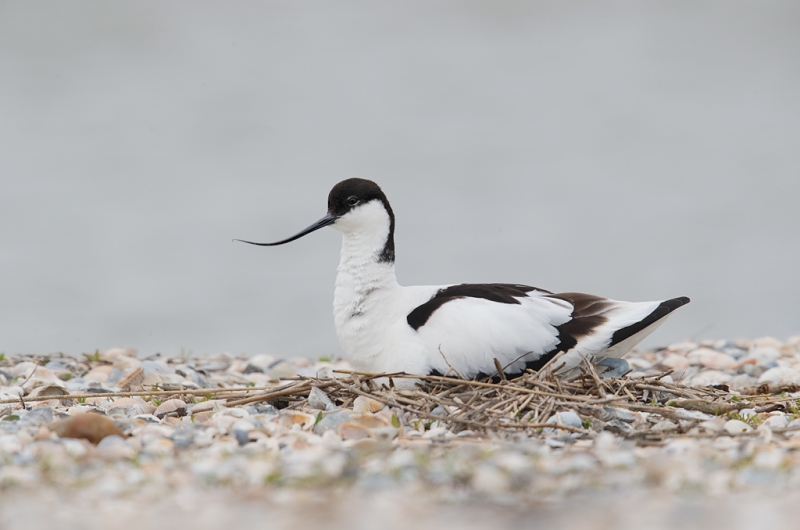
(586, 317)
(503, 293)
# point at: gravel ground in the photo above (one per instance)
(202, 447)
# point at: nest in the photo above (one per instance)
(648, 410)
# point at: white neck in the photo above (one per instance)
(363, 281)
(365, 231)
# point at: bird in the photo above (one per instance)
(487, 330)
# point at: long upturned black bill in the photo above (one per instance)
(325, 221)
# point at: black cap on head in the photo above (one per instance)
(349, 194)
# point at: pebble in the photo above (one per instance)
(737, 427)
(114, 447)
(776, 422)
(780, 374)
(89, 426)
(569, 418)
(332, 421)
(711, 359)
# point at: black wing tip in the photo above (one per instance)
(664, 308)
(674, 303)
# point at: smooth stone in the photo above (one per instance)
(693, 414)
(89, 425)
(241, 437)
(115, 376)
(618, 427)
(282, 369)
(737, 427)
(676, 362)
(767, 342)
(251, 369)
(682, 347)
(332, 421)
(710, 377)
(735, 352)
(36, 417)
(664, 425)
(711, 359)
(780, 375)
(747, 413)
(262, 362)
(776, 422)
(621, 414)
(115, 447)
(752, 370)
(156, 367)
(763, 354)
(743, 381)
(568, 418)
(23, 369)
(184, 438)
(713, 425)
(439, 411)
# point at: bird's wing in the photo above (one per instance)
(465, 327)
(617, 328)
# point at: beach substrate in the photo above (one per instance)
(697, 433)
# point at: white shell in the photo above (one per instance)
(353, 431)
(317, 399)
(171, 406)
(54, 391)
(294, 417)
(364, 404)
(132, 380)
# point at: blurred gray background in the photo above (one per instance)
(633, 150)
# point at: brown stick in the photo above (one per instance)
(154, 393)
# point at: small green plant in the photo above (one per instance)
(93, 357)
(81, 400)
(65, 376)
(155, 401)
(319, 418)
(12, 417)
(587, 423)
(273, 478)
(2, 357)
(750, 419)
(326, 359)
(395, 421)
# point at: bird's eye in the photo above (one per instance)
(352, 201)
